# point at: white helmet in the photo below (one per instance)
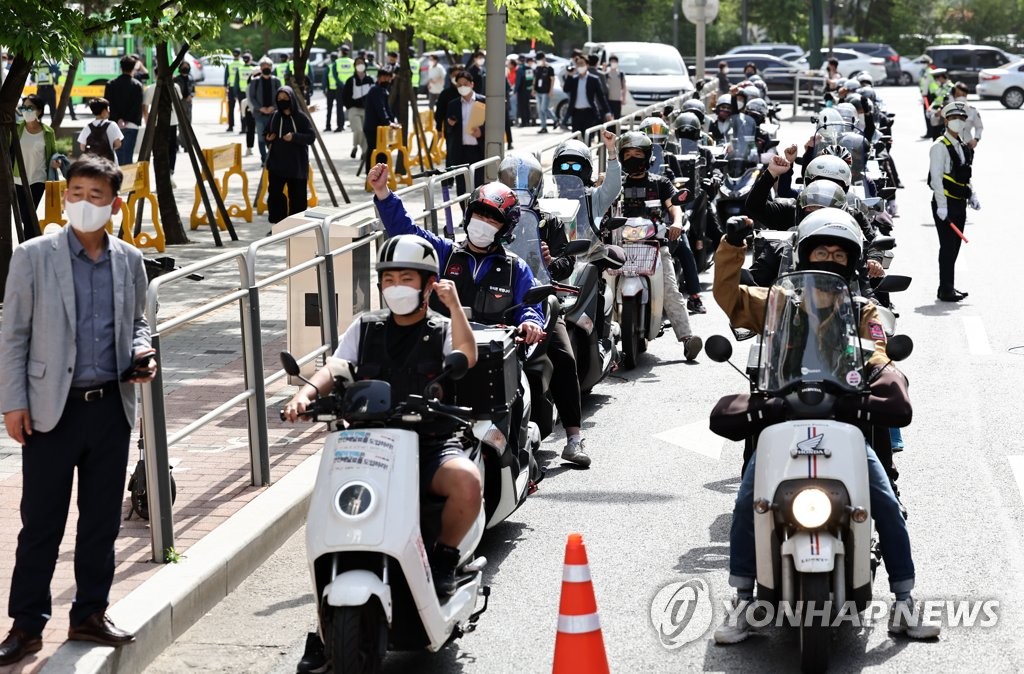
(830, 117)
(956, 109)
(823, 193)
(865, 78)
(408, 251)
(828, 167)
(829, 226)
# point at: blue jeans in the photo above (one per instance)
(127, 149)
(685, 255)
(892, 530)
(543, 111)
(261, 129)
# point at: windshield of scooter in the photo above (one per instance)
(810, 334)
(572, 187)
(741, 153)
(526, 244)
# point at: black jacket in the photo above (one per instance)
(447, 95)
(378, 111)
(125, 95)
(595, 94)
(290, 159)
(453, 127)
(347, 90)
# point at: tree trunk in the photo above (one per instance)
(403, 81)
(10, 96)
(65, 93)
(174, 229)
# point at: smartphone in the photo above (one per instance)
(138, 366)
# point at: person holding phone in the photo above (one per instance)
(73, 344)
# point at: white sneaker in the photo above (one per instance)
(906, 618)
(735, 628)
(574, 452)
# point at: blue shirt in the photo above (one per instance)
(95, 357)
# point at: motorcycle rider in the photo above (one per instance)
(639, 189)
(828, 240)
(405, 344)
(722, 122)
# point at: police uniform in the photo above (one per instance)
(928, 87)
(940, 95)
(235, 91)
(345, 68)
(949, 177)
(45, 76)
(332, 90)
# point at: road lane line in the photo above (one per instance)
(695, 437)
(977, 338)
(1017, 466)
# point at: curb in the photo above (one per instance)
(176, 597)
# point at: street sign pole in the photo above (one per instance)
(700, 13)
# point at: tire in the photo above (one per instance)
(814, 639)
(140, 500)
(560, 111)
(906, 79)
(631, 331)
(358, 639)
(1012, 98)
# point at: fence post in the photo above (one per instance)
(158, 469)
(328, 292)
(252, 357)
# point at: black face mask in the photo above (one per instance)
(265, 71)
(633, 165)
(829, 266)
(284, 105)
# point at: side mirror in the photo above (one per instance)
(456, 365)
(883, 243)
(893, 284)
(718, 348)
(577, 247)
(613, 223)
(290, 365)
(888, 193)
(537, 293)
(899, 347)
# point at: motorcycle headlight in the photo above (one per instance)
(812, 508)
(637, 232)
(355, 500)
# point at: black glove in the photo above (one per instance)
(737, 230)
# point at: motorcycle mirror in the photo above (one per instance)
(870, 202)
(291, 366)
(899, 347)
(742, 334)
(456, 364)
(718, 348)
(893, 284)
(613, 223)
(888, 193)
(883, 243)
(577, 247)
(537, 293)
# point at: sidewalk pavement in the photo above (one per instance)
(224, 527)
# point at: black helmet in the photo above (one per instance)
(522, 172)
(687, 126)
(497, 201)
(636, 140)
(568, 156)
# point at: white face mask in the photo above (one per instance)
(481, 61)
(480, 233)
(402, 300)
(956, 125)
(464, 90)
(360, 68)
(30, 115)
(86, 217)
(613, 65)
(582, 70)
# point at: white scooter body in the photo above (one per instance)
(650, 289)
(386, 462)
(802, 450)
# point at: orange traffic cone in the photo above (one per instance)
(579, 647)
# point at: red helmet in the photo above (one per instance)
(495, 200)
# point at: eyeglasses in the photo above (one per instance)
(570, 166)
(823, 255)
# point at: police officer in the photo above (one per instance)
(332, 84)
(45, 75)
(233, 83)
(943, 95)
(949, 176)
(928, 89)
(346, 68)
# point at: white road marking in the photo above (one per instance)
(696, 437)
(977, 338)
(1017, 466)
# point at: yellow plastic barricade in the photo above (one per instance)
(312, 200)
(53, 200)
(389, 143)
(82, 91)
(206, 91)
(227, 158)
(135, 187)
(428, 141)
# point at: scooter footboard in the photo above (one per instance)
(354, 588)
(813, 551)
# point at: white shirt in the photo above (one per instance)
(974, 126)
(348, 345)
(147, 100)
(940, 164)
(467, 107)
(581, 94)
(435, 79)
(113, 134)
(33, 148)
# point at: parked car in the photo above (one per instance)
(317, 61)
(215, 67)
(850, 62)
(965, 61)
(911, 70)
(779, 49)
(882, 51)
(1005, 83)
(654, 72)
(777, 73)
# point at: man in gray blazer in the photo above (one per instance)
(73, 344)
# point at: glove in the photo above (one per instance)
(941, 212)
(973, 202)
(737, 230)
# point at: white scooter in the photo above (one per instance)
(812, 514)
(639, 285)
(366, 551)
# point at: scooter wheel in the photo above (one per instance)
(358, 638)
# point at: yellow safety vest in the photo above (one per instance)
(332, 76)
(43, 76)
(958, 184)
(346, 68)
(415, 65)
(234, 74)
(280, 69)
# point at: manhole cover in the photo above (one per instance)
(1017, 350)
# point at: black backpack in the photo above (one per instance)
(97, 142)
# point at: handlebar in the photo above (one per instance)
(438, 171)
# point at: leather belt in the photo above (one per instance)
(95, 393)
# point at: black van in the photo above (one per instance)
(965, 61)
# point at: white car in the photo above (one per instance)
(850, 62)
(911, 70)
(214, 66)
(654, 72)
(1005, 83)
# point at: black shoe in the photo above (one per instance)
(542, 131)
(961, 293)
(443, 562)
(314, 660)
(230, 129)
(353, 155)
(950, 296)
(18, 645)
(98, 628)
(326, 129)
(694, 305)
